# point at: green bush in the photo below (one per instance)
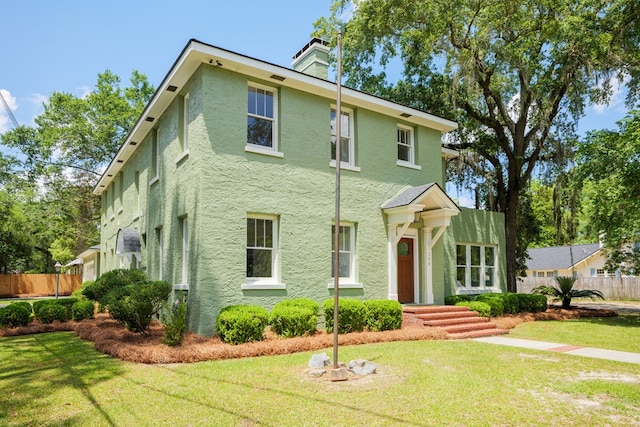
(483, 309)
(454, 299)
(136, 305)
(383, 315)
(114, 279)
(175, 323)
(531, 303)
(78, 293)
(294, 318)
(351, 315)
(15, 314)
(238, 324)
(495, 302)
(49, 311)
(82, 310)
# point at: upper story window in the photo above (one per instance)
(347, 146)
(406, 147)
(155, 156)
(262, 117)
(184, 138)
(476, 266)
(120, 191)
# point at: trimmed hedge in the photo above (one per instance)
(497, 307)
(455, 299)
(82, 310)
(15, 314)
(239, 324)
(294, 318)
(532, 303)
(501, 303)
(383, 315)
(483, 309)
(114, 279)
(48, 311)
(351, 315)
(135, 305)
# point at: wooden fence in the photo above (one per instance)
(13, 285)
(615, 288)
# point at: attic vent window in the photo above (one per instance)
(405, 115)
(172, 88)
(277, 77)
(150, 119)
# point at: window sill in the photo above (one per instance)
(181, 287)
(136, 216)
(345, 285)
(256, 149)
(182, 156)
(120, 211)
(471, 291)
(345, 166)
(154, 180)
(409, 165)
(112, 218)
(262, 286)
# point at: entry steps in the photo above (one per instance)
(458, 321)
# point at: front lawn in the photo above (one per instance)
(58, 379)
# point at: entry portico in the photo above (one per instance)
(426, 208)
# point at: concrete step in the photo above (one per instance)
(469, 327)
(447, 315)
(458, 321)
(421, 309)
(455, 321)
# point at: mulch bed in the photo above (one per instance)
(110, 337)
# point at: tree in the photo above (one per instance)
(62, 157)
(609, 168)
(516, 74)
(565, 292)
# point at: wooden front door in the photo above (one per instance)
(405, 271)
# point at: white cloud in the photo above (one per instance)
(4, 115)
(86, 90)
(618, 93)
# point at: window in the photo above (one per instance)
(600, 272)
(185, 250)
(120, 191)
(550, 274)
(261, 117)
(136, 196)
(346, 140)
(160, 251)
(155, 156)
(476, 266)
(346, 264)
(185, 123)
(261, 248)
(406, 153)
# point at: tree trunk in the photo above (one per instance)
(511, 239)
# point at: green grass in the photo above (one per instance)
(58, 379)
(613, 333)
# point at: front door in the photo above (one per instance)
(405, 271)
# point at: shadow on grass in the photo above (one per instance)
(34, 367)
(623, 320)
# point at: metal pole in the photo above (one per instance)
(336, 233)
(57, 282)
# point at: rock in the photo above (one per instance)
(319, 360)
(362, 367)
(316, 372)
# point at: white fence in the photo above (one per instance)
(614, 288)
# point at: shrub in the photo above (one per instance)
(135, 305)
(24, 304)
(99, 290)
(483, 309)
(238, 324)
(16, 314)
(78, 293)
(175, 323)
(383, 315)
(50, 311)
(497, 307)
(294, 318)
(454, 299)
(82, 310)
(531, 303)
(351, 315)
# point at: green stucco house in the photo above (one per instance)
(225, 188)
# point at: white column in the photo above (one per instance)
(393, 263)
(428, 268)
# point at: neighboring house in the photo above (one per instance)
(581, 260)
(225, 188)
(87, 264)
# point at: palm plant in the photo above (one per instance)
(565, 292)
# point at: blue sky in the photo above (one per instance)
(62, 45)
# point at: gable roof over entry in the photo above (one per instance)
(430, 200)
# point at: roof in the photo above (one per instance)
(197, 53)
(559, 257)
(413, 195)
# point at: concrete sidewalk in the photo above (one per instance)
(597, 353)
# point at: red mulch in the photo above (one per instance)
(112, 338)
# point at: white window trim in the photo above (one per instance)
(483, 287)
(185, 124)
(155, 141)
(160, 252)
(185, 250)
(260, 149)
(182, 156)
(273, 282)
(411, 163)
(351, 164)
(348, 282)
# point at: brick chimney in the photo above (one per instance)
(313, 59)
